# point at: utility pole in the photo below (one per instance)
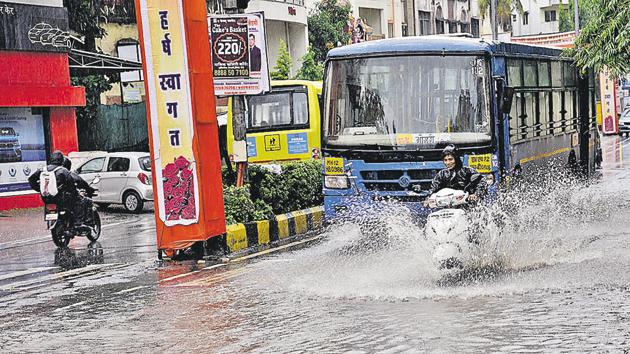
(239, 111)
(576, 17)
(493, 20)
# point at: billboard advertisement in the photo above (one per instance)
(239, 54)
(22, 148)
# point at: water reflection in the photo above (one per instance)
(68, 258)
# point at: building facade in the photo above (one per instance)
(538, 17)
(118, 19)
(284, 21)
(36, 98)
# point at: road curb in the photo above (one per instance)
(271, 233)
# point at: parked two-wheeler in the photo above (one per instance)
(61, 223)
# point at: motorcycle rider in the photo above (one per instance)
(457, 176)
(67, 192)
(83, 207)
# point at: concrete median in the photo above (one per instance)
(271, 233)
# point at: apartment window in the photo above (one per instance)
(424, 22)
(452, 27)
(439, 26)
(513, 17)
(525, 18)
(474, 27)
(439, 21)
(550, 16)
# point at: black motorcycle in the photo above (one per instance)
(61, 223)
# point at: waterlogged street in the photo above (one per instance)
(562, 285)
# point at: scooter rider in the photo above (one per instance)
(457, 176)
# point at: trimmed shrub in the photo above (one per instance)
(298, 186)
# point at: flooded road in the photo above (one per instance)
(563, 285)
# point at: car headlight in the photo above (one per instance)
(490, 179)
(336, 182)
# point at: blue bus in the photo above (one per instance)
(391, 106)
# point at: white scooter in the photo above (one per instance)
(448, 229)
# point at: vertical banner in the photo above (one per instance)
(171, 113)
(608, 92)
(182, 121)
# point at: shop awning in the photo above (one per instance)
(90, 63)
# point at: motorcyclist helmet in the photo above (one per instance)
(56, 158)
(67, 163)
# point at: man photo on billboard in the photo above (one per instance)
(254, 54)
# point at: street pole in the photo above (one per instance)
(576, 17)
(493, 20)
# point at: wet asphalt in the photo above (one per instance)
(563, 287)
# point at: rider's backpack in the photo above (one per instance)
(48, 183)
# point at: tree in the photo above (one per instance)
(310, 70)
(567, 14)
(326, 27)
(605, 40)
(83, 18)
(282, 70)
(504, 10)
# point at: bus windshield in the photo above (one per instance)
(411, 101)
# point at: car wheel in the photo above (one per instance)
(133, 202)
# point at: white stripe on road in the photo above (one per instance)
(22, 273)
(70, 306)
(191, 273)
(132, 289)
(57, 276)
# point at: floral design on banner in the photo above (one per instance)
(179, 194)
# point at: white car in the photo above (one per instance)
(121, 178)
(624, 123)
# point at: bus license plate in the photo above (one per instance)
(51, 217)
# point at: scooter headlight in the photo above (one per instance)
(336, 182)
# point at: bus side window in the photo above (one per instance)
(530, 115)
(557, 112)
(300, 108)
(544, 107)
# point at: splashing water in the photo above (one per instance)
(532, 228)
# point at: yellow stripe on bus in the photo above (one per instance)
(542, 156)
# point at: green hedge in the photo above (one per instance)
(298, 186)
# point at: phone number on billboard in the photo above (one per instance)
(230, 72)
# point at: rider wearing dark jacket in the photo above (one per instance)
(64, 181)
(457, 176)
(83, 207)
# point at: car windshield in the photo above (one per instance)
(145, 163)
(411, 101)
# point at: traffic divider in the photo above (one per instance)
(271, 233)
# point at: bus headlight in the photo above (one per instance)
(490, 179)
(336, 182)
